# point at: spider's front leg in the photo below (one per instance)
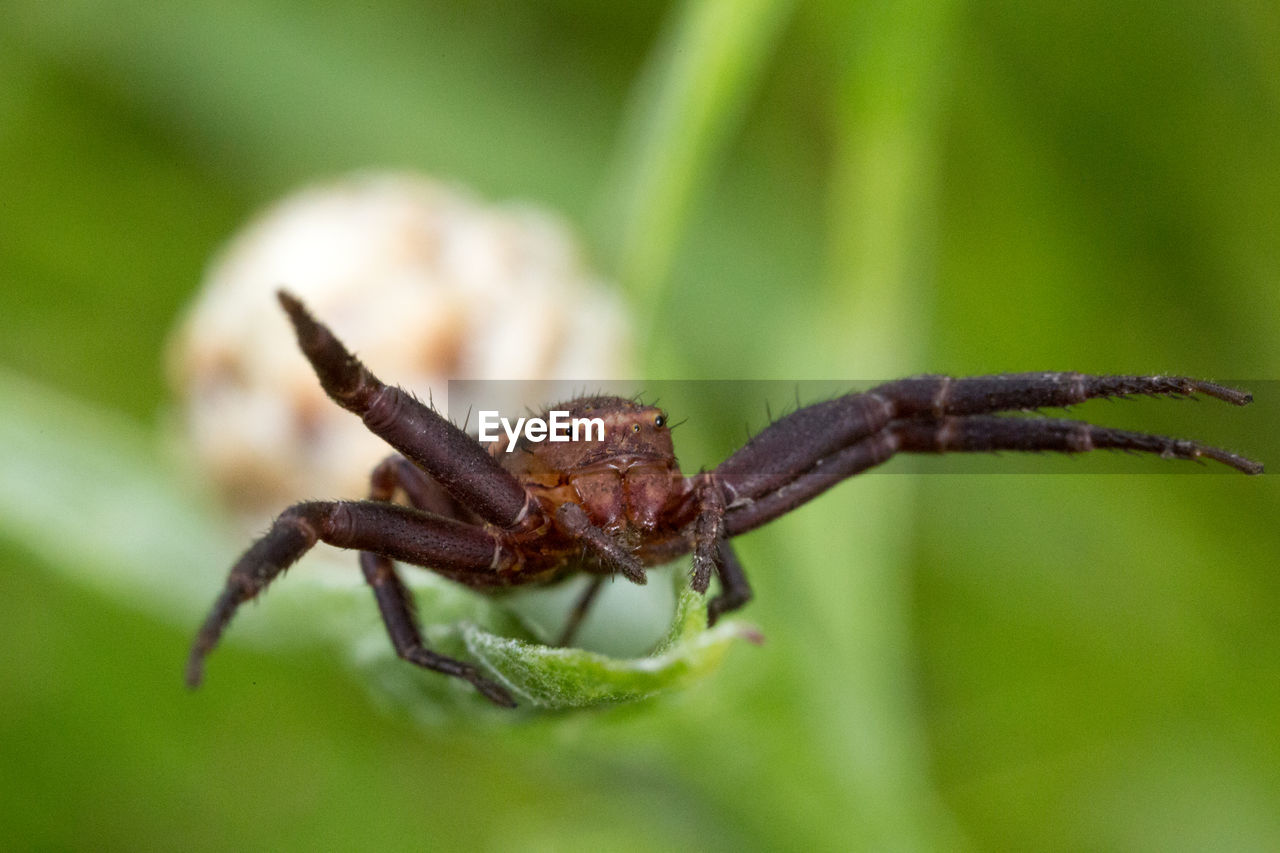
(573, 520)
(708, 530)
(388, 531)
(453, 458)
(980, 434)
(712, 551)
(802, 455)
(790, 446)
(965, 434)
(734, 589)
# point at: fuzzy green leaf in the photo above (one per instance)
(572, 678)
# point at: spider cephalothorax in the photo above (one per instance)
(617, 503)
(627, 481)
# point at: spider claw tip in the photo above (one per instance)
(1222, 392)
(288, 301)
(194, 674)
(299, 316)
(495, 694)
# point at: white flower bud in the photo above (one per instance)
(421, 280)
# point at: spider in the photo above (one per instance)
(490, 519)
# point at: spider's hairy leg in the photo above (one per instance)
(708, 531)
(579, 612)
(734, 589)
(972, 433)
(291, 536)
(790, 446)
(395, 601)
(452, 457)
(936, 396)
(573, 519)
(825, 473)
(978, 433)
(392, 531)
(422, 492)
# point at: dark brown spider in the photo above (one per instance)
(490, 519)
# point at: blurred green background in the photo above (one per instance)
(786, 191)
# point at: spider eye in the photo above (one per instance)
(635, 427)
(660, 421)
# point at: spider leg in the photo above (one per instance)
(395, 601)
(734, 592)
(452, 457)
(734, 589)
(936, 396)
(708, 531)
(789, 447)
(389, 530)
(973, 433)
(828, 471)
(579, 612)
(423, 492)
(979, 433)
(574, 521)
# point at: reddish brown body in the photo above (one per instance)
(629, 484)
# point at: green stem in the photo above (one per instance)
(876, 321)
(684, 110)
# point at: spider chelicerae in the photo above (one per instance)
(490, 519)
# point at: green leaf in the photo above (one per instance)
(573, 678)
(85, 490)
